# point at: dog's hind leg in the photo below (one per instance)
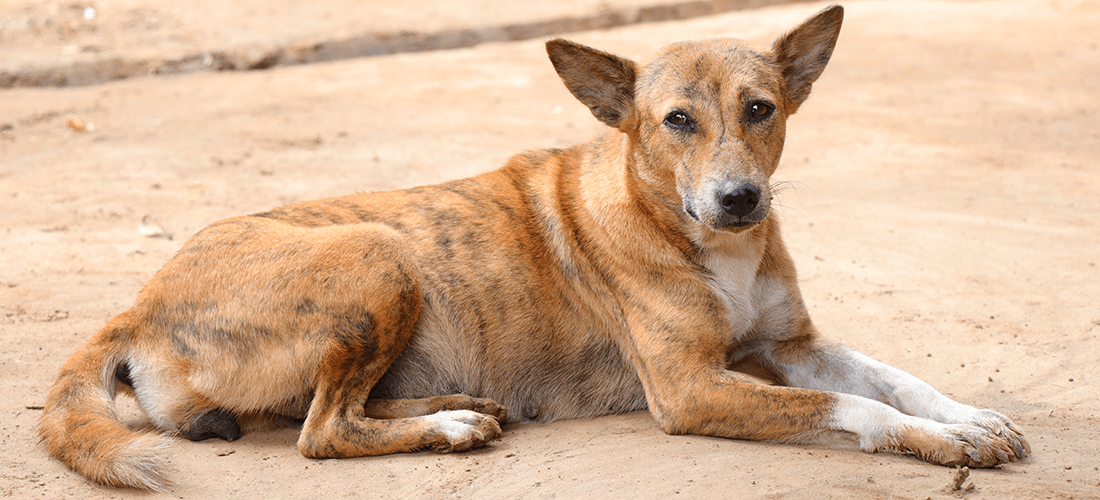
(339, 425)
(383, 298)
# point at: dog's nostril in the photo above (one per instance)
(741, 201)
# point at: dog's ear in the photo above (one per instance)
(803, 53)
(603, 82)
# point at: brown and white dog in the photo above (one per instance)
(639, 270)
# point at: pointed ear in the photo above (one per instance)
(803, 53)
(602, 81)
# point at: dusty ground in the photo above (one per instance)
(55, 43)
(943, 209)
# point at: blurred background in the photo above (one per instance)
(46, 42)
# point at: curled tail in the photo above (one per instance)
(81, 427)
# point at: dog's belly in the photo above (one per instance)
(540, 372)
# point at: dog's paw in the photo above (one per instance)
(1000, 425)
(492, 408)
(480, 405)
(956, 445)
(461, 430)
(978, 447)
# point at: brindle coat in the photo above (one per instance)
(630, 272)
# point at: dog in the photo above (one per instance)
(642, 270)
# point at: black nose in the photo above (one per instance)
(740, 201)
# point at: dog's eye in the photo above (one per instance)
(758, 110)
(679, 121)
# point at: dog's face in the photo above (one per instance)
(707, 119)
(713, 113)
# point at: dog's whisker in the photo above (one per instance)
(781, 186)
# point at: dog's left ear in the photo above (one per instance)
(804, 52)
(603, 82)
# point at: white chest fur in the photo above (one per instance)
(734, 261)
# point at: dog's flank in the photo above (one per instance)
(640, 270)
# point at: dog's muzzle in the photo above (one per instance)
(739, 206)
(734, 206)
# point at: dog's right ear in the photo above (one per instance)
(603, 82)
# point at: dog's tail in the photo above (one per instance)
(81, 427)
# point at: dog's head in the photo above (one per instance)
(705, 118)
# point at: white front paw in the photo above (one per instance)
(1002, 427)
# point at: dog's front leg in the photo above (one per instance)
(679, 352)
(717, 402)
(836, 368)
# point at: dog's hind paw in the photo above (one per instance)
(461, 430)
(479, 405)
(491, 408)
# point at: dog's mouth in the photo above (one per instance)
(722, 221)
(736, 226)
(740, 224)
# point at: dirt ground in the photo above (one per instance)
(943, 207)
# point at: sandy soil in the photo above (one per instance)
(943, 210)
